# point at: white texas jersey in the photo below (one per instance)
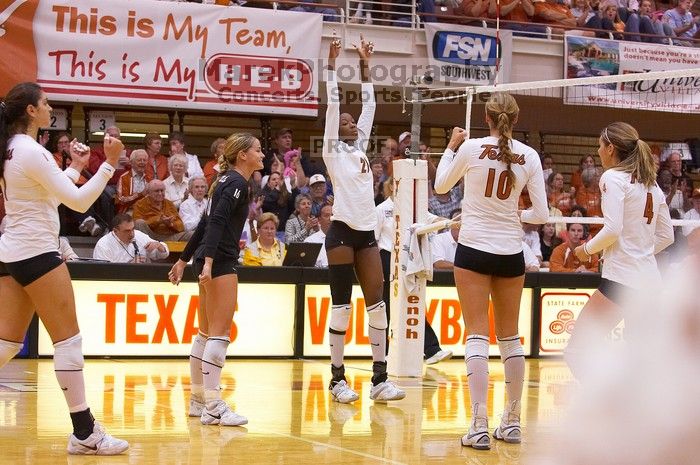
(637, 225)
(348, 166)
(490, 220)
(33, 187)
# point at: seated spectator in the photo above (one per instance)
(177, 147)
(553, 13)
(211, 169)
(301, 224)
(157, 217)
(444, 204)
(473, 8)
(66, 251)
(532, 261)
(693, 213)
(97, 157)
(586, 14)
(577, 212)
(682, 22)
(176, 184)
(389, 152)
(324, 223)
(611, 20)
(192, 208)
(377, 175)
(444, 245)
(132, 184)
(563, 258)
(521, 11)
(277, 199)
(524, 201)
(647, 21)
(126, 245)
(329, 14)
(317, 192)
(670, 186)
(157, 166)
(589, 195)
(266, 250)
(548, 242)
(547, 165)
(282, 143)
(557, 196)
(586, 161)
(531, 236)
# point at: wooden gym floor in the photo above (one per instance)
(291, 418)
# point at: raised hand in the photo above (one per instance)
(456, 139)
(365, 49)
(113, 149)
(333, 52)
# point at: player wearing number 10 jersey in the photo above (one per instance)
(489, 259)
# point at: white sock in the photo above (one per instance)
(513, 359)
(213, 361)
(68, 365)
(196, 354)
(477, 359)
(377, 336)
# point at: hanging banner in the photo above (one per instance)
(468, 55)
(187, 55)
(588, 57)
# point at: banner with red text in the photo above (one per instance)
(156, 318)
(588, 57)
(443, 312)
(177, 55)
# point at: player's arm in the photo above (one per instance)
(539, 212)
(330, 132)
(612, 203)
(452, 166)
(369, 105)
(663, 234)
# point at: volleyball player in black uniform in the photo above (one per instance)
(214, 246)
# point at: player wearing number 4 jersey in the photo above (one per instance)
(489, 259)
(350, 243)
(637, 225)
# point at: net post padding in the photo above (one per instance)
(407, 329)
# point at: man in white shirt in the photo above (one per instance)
(444, 245)
(319, 237)
(192, 208)
(693, 213)
(126, 245)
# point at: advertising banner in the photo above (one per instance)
(466, 55)
(187, 55)
(587, 57)
(157, 319)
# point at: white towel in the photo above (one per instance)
(416, 257)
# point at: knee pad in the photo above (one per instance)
(340, 279)
(68, 354)
(510, 347)
(477, 347)
(8, 350)
(340, 319)
(215, 351)
(377, 316)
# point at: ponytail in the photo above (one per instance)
(502, 111)
(14, 118)
(223, 167)
(635, 155)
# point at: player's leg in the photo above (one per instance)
(385, 256)
(506, 295)
(196, 353)
(52, 297)
(221, 295)
(473, 289)
(340, 271)
(17, 312)
(369, 273)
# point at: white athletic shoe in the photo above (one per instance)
(439, 357)
(385, 391)
(221, 414)
(478, 435)
(196, 406)
(342, 393)
(509, 429)
(98, 443)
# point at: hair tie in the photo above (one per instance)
(3, 107)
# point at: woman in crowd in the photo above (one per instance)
(489, 259)
(267, 250)
(214, 248)
(33, 275)
(301, 224)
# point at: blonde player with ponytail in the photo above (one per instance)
(489, 259)
(637, 225)
(215, 248)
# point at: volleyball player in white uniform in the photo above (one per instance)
(350, 243)
(489, 258)
(637, 225)
(33, 277)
